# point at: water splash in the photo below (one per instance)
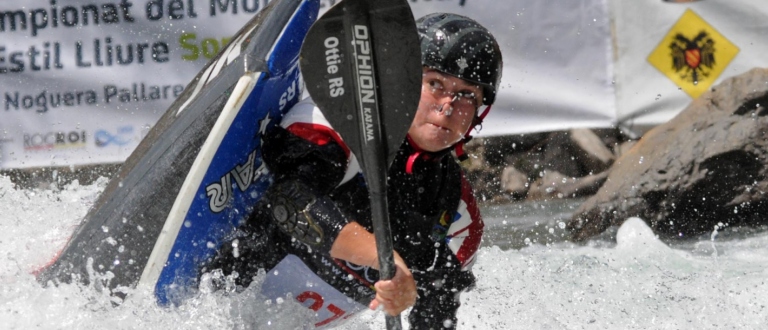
(640, 282)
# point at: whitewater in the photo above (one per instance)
(529, 277)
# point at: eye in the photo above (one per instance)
(467, 97)
(435, 84)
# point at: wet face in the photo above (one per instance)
(446, 110)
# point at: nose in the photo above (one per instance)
(444, 104)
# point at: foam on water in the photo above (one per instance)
(638, 283)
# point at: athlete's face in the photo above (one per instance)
(446, 110)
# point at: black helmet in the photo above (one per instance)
(461, 47)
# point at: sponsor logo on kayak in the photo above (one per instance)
(220, 193)
(290, 94)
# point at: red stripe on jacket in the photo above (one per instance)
(471, 243)
(317, 134)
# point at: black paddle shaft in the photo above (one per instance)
(361, 62)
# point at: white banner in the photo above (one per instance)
(671, 52)
(82, 81)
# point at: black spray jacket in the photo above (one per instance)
(436, 225)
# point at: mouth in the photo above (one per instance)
(440, 127)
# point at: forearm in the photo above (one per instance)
(356, 245)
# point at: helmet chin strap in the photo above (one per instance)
(483, 111)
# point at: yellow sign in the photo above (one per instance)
(693, 54)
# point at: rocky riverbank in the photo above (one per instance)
(705, 169)
(562, 164)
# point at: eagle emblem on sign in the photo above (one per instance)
(693, 54)
(693, 58)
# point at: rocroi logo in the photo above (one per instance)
(120, 137)
(54, 140)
